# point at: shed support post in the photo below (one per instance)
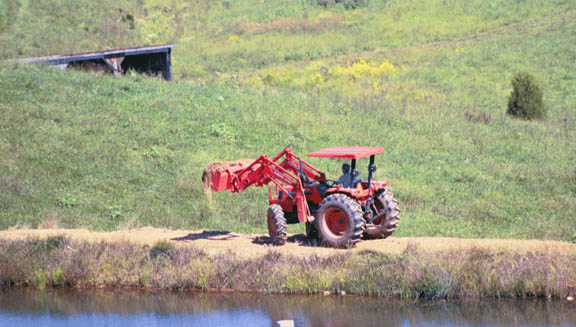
(167, 73)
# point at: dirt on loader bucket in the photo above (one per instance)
(215, 166)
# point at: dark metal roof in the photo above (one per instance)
(64, 59)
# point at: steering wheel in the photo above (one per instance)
(331, 183)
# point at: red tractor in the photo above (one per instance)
(340, 213)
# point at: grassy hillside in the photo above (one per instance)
(428, 80)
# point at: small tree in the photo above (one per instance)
(526, 98)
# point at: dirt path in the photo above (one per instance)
(248, 246)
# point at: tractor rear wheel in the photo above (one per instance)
(387, 215)
(277, 224)
(340, 221)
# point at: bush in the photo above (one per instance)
(526, 98)
(162, 248)
(51, 243)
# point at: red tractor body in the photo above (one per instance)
(301, 193)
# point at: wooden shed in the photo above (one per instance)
(153, 60)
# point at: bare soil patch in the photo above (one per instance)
(251, 246)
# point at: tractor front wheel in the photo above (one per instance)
(387, 215)
(277, 224)
(340, 221)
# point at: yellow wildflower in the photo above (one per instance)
(363, 68)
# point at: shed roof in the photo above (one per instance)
(63, 59)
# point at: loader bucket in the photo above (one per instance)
(220, 180)
(218, 175)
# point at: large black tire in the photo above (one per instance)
(340, 221)
(277, 224)
(387, 217)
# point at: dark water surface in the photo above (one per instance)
(28, 307)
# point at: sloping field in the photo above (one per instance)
(79, 150)
(427, 80)
(258, 245)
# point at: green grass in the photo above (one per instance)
(86, 150)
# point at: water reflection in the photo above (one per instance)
(134, 308)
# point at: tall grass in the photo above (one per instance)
(413, 274)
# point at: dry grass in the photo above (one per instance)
(249, 246)
(481, 117)
(413, 273)
(287, 24)
(51, 219)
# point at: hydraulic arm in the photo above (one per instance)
(288, 172)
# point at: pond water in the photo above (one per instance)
(29, 307)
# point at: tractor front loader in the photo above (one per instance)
(339, 214)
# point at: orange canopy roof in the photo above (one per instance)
(347, 152)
